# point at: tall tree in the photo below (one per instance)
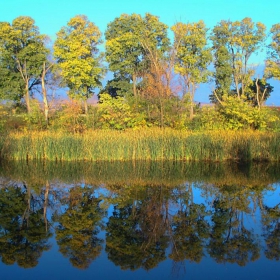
(77, 54)
(233, 45)
(22, 54)
(273, 61)
(222, 63)
(193, 56)
(125, 51)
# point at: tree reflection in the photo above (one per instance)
(150, 221)
(271, 223)
(136, 233)
(23, 235)
(77, 229)
(230, 240)
(190, 230)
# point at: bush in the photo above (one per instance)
(239, 114)
(115, 113)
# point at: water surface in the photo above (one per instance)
(139, 220)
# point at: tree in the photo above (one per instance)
(77, 54)
(125, 52)
(223, 69)
(192, 58)
(258, 91)
(22, 54)
(273, 62)
(233, 45)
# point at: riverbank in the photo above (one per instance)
(146, 144)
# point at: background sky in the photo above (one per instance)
(51, 15)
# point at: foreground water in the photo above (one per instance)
(136, 220)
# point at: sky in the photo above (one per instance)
(51, 15)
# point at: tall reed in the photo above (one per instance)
(147, 144)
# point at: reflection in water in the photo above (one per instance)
(153, 218)
(271, 224)
(190, 229)
(136, 233)
(78, 226)
(23, 234)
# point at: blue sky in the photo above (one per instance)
(51, 15)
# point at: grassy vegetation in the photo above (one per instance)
(146, 144)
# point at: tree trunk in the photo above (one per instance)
(192, 101)
(161, 113)
(27, 98)
(134, 85)
(44, 92)
(86, 107)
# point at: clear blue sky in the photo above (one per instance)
(51, 15)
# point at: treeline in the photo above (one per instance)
(154, 78)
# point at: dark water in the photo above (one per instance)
(139, 220)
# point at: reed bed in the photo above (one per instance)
(148, 144)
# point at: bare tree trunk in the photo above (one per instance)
(86, 107)
(23, 73)
(237, 88)
(134, 85)
(27, 98)
(161, 113)
(44, 92)
(259, 99)
(192, 101)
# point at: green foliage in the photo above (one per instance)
(35, 120)
(272, 63)
(118, 87)
(239, 114)
(125, 51)
(257, 92)
(192, 56)
(22, 54)
(3, 117)
(76, 49)
(233, 45)
(115, 113)
(209, 118)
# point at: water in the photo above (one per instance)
(138, 220)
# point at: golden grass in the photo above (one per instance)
(146, 144)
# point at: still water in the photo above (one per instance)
(139, 220)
